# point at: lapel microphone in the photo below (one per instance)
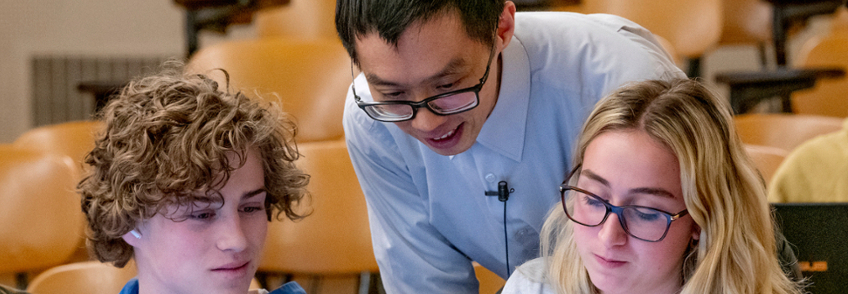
(502, 192)
(503, 195)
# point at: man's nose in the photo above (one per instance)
(425, 120)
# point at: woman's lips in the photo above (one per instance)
(609, 262)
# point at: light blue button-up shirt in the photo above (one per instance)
(428, 214)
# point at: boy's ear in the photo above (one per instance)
(132, 237)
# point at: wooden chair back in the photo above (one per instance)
(746, 22)
(335, 238)
(298, 19)
(74, 139)
(40, 225)
(828, 97)
(766, 158)
(784, 131)
(89, 277)
(489, 281)
(309, 78)
(691, 26)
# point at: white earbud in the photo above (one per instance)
(136, 234)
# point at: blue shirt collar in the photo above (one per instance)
(289, 288)
(505, 128)
(130, 287)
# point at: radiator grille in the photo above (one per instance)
(55, 79)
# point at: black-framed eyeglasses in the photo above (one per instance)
(452, 102)
(643, 223)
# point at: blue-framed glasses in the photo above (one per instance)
(643, 223)
(452, 102)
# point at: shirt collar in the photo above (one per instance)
(504, 130)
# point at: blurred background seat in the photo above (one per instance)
(691, 27)
(74, 139)
(218, 16)
(830, 50)
(748, 89)
(309, 19)
(784, 131)
(790, 14)
(88, 277)
(489, 281)
(309, 78)
(39, 211)
(335, 239)
(747, 22)
(767, 159)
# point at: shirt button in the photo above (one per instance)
(529, 240)
(490, 178)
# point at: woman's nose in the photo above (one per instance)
(612, 232)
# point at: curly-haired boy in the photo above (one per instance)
(184, 180)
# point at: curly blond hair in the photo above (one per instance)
(167, 138)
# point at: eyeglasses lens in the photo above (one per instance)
(454, 103)
(640, 222)
(451, 104)
(390, 112)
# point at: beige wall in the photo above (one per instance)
(79, 28)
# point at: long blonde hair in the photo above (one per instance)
(722, 191)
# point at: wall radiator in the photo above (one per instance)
(55, 79)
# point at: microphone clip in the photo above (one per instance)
(502, 192)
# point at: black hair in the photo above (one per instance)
(390, 18)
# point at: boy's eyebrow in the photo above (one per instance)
(213, 200)
(253, 193)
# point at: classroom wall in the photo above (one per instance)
(81, 28)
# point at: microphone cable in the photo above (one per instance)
(506, 243)
(503, 195)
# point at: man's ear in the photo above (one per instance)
(506, 25)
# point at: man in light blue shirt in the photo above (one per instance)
(458, 96)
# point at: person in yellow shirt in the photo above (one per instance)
(816, 171)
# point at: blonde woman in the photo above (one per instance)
(662, 199)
